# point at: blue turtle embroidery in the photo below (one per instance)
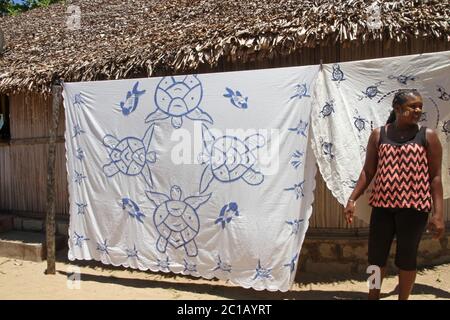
(236, 98)
(176, 220)
(298, 189)
(327, 148)
(291, 263)
(337, 74)
(164, 264)
(131, 100)
(78, 100)
(81, 208)
(301, 128)
(403, 79)
(295, 224)
(222, 265)
(78, 238)
(371, 91)
(132, 253)
(189, 267)
(132, 209)
(227, 212)
(79, 177)
(77, 130)
(443, 94)
(103, 247)
(179, 97)
(360, 123)
(446, 128)
(262, 273)
(327, 109)
(300, 91)
(79, 154)
(130, 156)
(229, 159)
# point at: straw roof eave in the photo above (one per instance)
(118, 40)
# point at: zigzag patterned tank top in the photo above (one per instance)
(402, 179)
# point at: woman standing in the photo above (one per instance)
(405, 160)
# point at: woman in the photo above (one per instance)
(405, 159)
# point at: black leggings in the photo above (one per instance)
(407, 225)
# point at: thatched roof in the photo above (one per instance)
(122, 39)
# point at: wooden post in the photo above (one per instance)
(51, 192)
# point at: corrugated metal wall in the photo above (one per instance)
(23, 164)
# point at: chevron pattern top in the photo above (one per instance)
(402, 179)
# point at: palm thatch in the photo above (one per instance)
(123, 39)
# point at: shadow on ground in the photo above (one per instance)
(166, 281)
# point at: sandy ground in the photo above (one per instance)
(26, 280)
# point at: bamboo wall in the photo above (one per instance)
(23, 163)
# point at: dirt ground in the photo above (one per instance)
(26, 280)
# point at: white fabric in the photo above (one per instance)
(345, 110)
(129, 193)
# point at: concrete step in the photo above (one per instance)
(6, 222)
(27, 245)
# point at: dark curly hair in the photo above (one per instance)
(400, 98)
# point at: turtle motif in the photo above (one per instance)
(176, 98)
(327, 148)
(301, 91)
(446, 128)
(262, 273)
(176, 220)
(78, 100)
(229, 159)
(443, 94)
(371, 91)
(103, 247)
(301, 128)
(291, 264)
(130, 156)
(337, 74)
(360, 123)
(403, 79)
(298, 189)
(223, 266)
(327, 109)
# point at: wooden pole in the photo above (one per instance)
(51, 192)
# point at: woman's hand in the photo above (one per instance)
(349, 211)
(436, 226)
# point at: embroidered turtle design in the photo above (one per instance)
(360, 123)
(130, 156)
(446, 128)
(337, 74)
(403, 79)
(443, 94)
(371, 91)
(327, 109)
(176, 220)
(179, 97)
(228, 159)
(300, 91)
(327, 148)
